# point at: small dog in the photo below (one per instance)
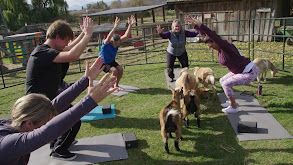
(205, 76)
(170, 119)
(264, 65)
(186, 80)
(191, 106)
(203, 92)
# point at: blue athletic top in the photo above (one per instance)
(108, 52)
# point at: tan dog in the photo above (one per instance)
(203, 92)
(186, 80)
(264, 65)
(205, 76)
(170, 119)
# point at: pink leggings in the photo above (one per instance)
(232, 79)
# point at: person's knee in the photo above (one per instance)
(119, 69)
(221, 81)
(114, 70)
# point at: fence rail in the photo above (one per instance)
(146, 47)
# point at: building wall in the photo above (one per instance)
(232, 10)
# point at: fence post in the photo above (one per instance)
(253, 23)
(249, 38)
(2, 76)
(284, 41)
(144, 46)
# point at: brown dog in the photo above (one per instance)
(191, 106)
(205, 76)
(186, 80)
(170, 119)
(264, 65)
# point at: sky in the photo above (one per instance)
(72, 4)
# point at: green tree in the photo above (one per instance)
(134, 3)
(49, 10)
(15, 13)
(102, 5)
(116, 4)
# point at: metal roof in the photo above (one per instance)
(124, 10)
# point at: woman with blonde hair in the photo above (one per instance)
(32, 123)
(176, 47)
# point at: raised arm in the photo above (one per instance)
(194, 22)
(76, 40)
(64, 99)
(127, 34)
(110, 35)
(19, 144)
(74, 53)
(165, 35)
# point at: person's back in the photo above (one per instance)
(42, 74)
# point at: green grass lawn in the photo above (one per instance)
(214, 143)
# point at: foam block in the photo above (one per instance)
(106, 108)
(130, 140)
(247, 127)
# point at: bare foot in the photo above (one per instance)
(120, 88)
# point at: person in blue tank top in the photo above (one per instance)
(176, 47)
(110, 47)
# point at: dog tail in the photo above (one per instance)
(170, 126)
(211, 78)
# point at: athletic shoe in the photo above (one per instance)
(226, 104)
(229, 109)
(62, 154)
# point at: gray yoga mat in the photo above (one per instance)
(176, 73)
(250, 110)
(89, 150)
(124, 92)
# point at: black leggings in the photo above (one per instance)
(183, 59)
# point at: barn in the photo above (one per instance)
(236, 19)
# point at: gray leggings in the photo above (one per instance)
(232, 79)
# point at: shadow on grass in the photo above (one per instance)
(280, 78)
(154, 91)
(214, 141)
(137, 153)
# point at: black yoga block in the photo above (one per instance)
(247, 127)
(130, 140)
(106, 108)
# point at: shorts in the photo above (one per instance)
(108, 66)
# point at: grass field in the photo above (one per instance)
(213, 143)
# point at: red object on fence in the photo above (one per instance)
(138, 44)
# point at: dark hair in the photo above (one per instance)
(116, 37)
(61, 28)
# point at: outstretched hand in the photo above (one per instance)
(101, 90)
(96, 68)
(116, 23)
(192, 20)
(87, 25)
(159, 29)
(131, 20)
